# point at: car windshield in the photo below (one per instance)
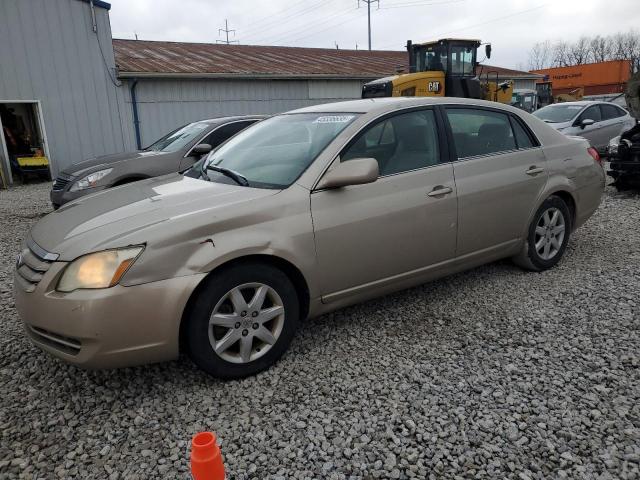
(558, 113)
(275, 152)
(179, 138)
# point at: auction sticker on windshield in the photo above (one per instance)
(334, 119)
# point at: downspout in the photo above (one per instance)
(134, 107)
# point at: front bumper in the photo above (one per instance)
(618, 168)
(105, 328)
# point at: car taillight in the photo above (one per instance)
(594, 153)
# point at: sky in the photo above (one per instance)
(511, 26)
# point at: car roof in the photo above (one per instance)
(374, 105)
(580, 103)
(235, 118)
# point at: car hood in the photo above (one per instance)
(95, 163)
(124, 215)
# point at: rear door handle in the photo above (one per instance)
(439, 190)
(534, 170)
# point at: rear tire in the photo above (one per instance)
(242, 321)
(547, 237)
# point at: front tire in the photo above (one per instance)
(243, 320)
(547, 237)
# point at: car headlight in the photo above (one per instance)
(614, 143)
(98, 270)
(90, 180)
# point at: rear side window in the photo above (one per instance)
(400, 143)
(225, 132)
(523, 139)
(593, 113)
(480, 132)
(611, 111)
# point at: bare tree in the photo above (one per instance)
(619, 46)
(540, 55)
(561, 56)
(631, 48)
(600, 48)
(578, 52)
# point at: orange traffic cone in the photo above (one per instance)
(206, 459)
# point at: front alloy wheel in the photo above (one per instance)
(242, 320)
(246, 323)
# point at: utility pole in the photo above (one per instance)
(226, 31)
(369, 2)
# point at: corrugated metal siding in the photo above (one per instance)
(520, 83)
(164, 104)
(49, 52)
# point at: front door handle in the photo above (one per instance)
(439, 190)
(534, 170)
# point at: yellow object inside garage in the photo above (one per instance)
(33, 161)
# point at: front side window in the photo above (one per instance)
(275, 152)
(592, 113)
(401, 143)
(179, 138)
(480, 132)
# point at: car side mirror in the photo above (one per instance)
(586, 122)
(487, 50)
(201, 149)
(352, 172)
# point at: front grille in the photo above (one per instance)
(68, 345)
(31, 268)
(62, 181)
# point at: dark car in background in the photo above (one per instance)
(174, 152)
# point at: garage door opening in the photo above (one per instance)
(23, 142)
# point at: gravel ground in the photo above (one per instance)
(493, 373)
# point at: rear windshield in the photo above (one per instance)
(558, 113)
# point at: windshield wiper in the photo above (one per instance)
(235, 176)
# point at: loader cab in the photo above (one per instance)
(456, 58)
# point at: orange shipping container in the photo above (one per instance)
(612, 75)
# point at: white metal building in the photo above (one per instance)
(59, 94)
(171, 83)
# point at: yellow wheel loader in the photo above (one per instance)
(444, 68)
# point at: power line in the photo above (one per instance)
(496, 19)
(326, 28)
(226, 31)
(421, 3)
(269, 19)
(276, 21)
(309, 27)
(369, 2)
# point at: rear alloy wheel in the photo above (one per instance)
(242, 321)
(548, 236)
(549, 233)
